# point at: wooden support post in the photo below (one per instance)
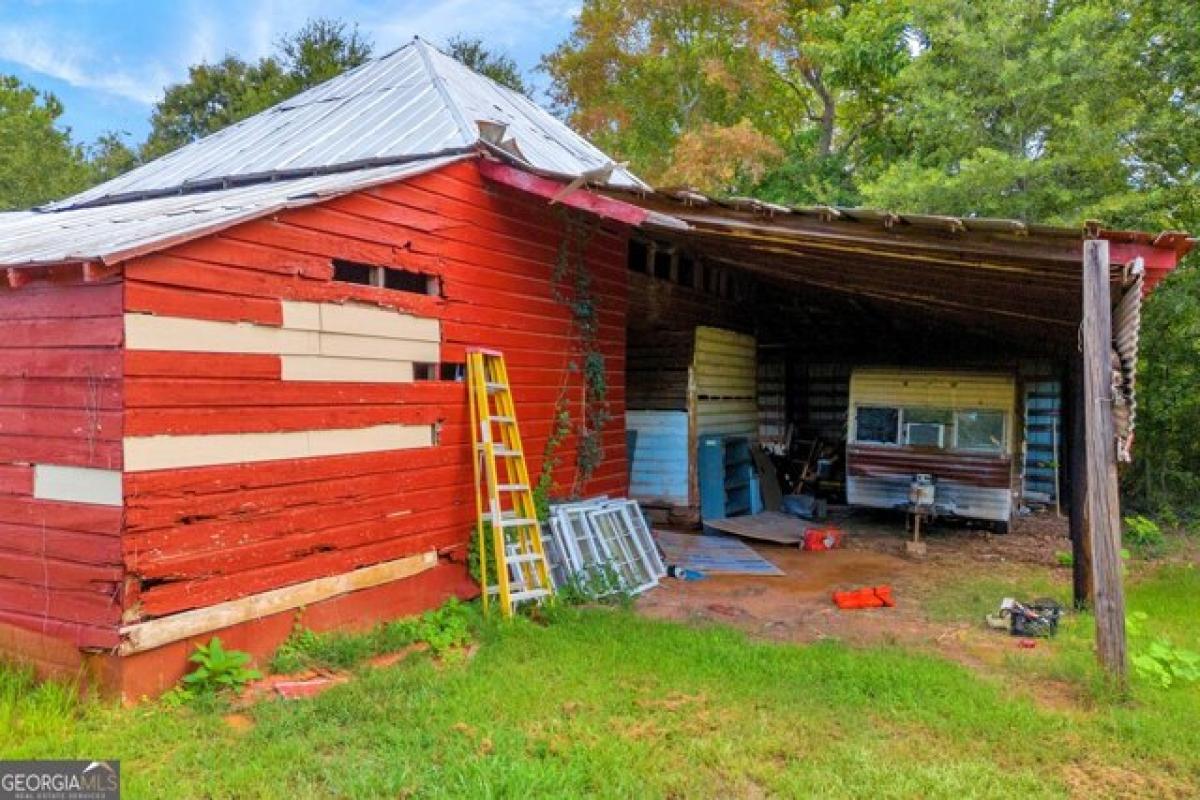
(1081, 537)
(1103, 510)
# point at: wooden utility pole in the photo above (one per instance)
(1081, 537)
(1103, 514)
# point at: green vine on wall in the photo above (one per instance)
(572, 283)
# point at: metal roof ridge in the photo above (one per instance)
(469, 133)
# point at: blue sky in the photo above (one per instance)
(107, 60)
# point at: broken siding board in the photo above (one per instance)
(155, 633)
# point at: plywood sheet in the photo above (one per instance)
(713, 555)
(769, 526)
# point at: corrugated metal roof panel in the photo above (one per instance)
(414, 102)
(116, 232)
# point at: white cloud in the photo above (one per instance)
(61, 57)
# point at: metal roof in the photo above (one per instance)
(414, 102)
(113, 233)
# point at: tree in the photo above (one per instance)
(725, 95)
(500, 67)
(38, 161)
(218, 95)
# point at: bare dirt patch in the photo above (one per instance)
(797, 607)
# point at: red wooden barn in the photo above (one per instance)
(234, 374)
(230, 380)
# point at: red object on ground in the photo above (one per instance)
(820, 539)
(868, 597)
(1027, 644)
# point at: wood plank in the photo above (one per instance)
(155, 633)
(1103, 506)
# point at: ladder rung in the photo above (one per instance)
(524, 558)
(517, 522)
(529, 594)
(504, 452)
(493, 387)
(512, 487)
(503, 419)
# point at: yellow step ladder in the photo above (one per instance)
(510, 516)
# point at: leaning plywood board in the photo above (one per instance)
(769, 526)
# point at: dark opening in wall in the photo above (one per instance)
(687, 271)
(425, 371)
(352, 272)
(400, 280)
(637, 255)
(662, 264)
(403, 280)
(453, 372)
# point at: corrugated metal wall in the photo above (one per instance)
(660, 457)
(724, 379)
(772, 395)
(1043, 430)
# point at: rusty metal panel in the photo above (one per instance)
(724, 376)
(1127, 323)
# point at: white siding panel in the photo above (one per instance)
(180, 334)
(143, 453)
(345, 370)
(77, 484)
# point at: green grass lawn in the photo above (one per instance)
(605, 703)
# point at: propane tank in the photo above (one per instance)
(922, 491)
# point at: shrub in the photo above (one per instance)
(217, 670)
(1142, 532)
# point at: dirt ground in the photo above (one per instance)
(798, 607)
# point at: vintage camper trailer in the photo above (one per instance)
(954, 426)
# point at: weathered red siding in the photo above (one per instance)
(202, 535)
(60, 404)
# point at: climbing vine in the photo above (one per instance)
(573, 288)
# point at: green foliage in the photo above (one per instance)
(600, 584)
(443, 629)
(1142, 532)
(1159, 661)
(500, 67)
(1165, 476)
(545, 481)
(38, 160)
(1064, 558)
(217, 670)
(572, 282)
(218, 95)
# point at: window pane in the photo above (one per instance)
(981, 430)
(925, 434)
(940, 416)
(875, 424)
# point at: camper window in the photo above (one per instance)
(980, 430)
(877, 425)
(927, 427)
